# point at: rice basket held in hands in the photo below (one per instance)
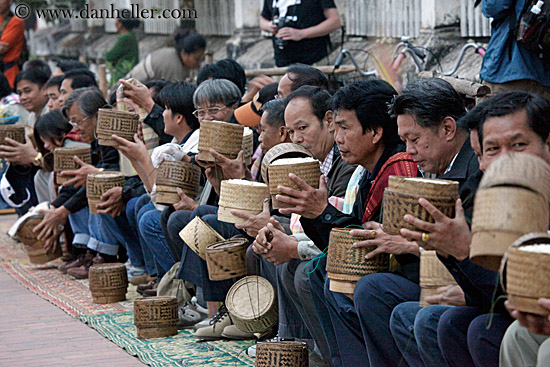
(502, 214)
(347, 264)
(100, 182)
(226, 259)
(246, 196)
(64, 160)
(248, 145)
(114, 122)
(433, 274)
(307, 169)
(252, 304)
(172, 175)
(401, 197)
(108, 282)
(14, 132)
(156, 317)
(525, 269)
(284, 150)
(198, 235)
(282, 354)
(33, 246)
(225, 138)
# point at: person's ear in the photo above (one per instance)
(329, 119)
(285, 137)
(377, 133)
(449, 128)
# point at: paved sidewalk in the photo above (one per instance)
(33, 332)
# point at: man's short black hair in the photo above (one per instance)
(319, 98)
(224, 69)
(537, 108)
(54, 81)
(301, 74)
(81, 78)
(38, 64)
(275, 110)
(369, 99)
(429, 101)
(67, 65)
(178, 97)
(36, 76)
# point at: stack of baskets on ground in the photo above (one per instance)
(64, 160)
(108, 282)
(156, 317)
(114, 122)
(99, 183)
(14, 132)
(198, 235)
(172, 175)
(279, 151)
(226, 259)
(347, 264)
(242, 195)
(252, 304)
(223, 137)
(525, 269)
(33, 246)
(282, 353)
(433, 274)
(401, 197)
(512, 200)
(308, 169)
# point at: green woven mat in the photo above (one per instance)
(179, 350)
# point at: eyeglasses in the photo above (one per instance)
(201, 112)
(78, 123)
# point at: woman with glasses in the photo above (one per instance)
(81, 110)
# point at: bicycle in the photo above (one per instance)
(417, 54)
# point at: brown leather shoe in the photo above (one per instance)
(141, 279)
(143, 287)
(151, 292)
(81, 272)
(79, 261)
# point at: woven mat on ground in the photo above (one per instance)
(11, 251)
(63, 291)
(180, 350)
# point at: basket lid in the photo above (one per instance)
(282, 150)
(250, 297)
(429, 187)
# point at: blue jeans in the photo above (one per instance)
(79, 224)
(193, 268)
(376, 295)
(154, 240)
(464, 339)
(414, 330)
(108, 233)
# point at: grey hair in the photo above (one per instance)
(217, 91)
(89, 99)
(275, 110)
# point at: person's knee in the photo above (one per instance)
(398, 317)
(368, 286)
(543, 358)
(177, 221)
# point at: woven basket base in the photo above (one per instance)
(224, 215)
(111, 298)
(44, 258)
(207, 157)
(279, 205)
(527, 304)
(237, 273)
(341, 286)
(426, 292)
(487, 248)
(156, 332)
(62, 179)
(108, 142)
(167, 198)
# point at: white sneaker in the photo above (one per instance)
(251, 351)
(191, 314)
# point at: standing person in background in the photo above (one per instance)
(300, 29)
(124, 54)
(12, 41)
(172, 63)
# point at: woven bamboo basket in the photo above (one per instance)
(433, 274)
(226, 259)
(114, 122)
(156, 317)
(172, 175)
(33, 246)
(108, 282)
(284, 150)
(521, 170)
(15, 132)
(525, 273)
(198, 235)
(248, 145)
(401, 197)
(252, 304)
(282, 354)
(502, 215)
(99, 183)
(223, 137)
(347, 264)
(307, 169)
(63, 160)
(246, 196)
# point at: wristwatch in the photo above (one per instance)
(37, 161)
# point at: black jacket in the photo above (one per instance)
(156, 121)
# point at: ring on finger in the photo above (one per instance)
(425, 237)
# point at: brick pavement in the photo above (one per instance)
(33, 332)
